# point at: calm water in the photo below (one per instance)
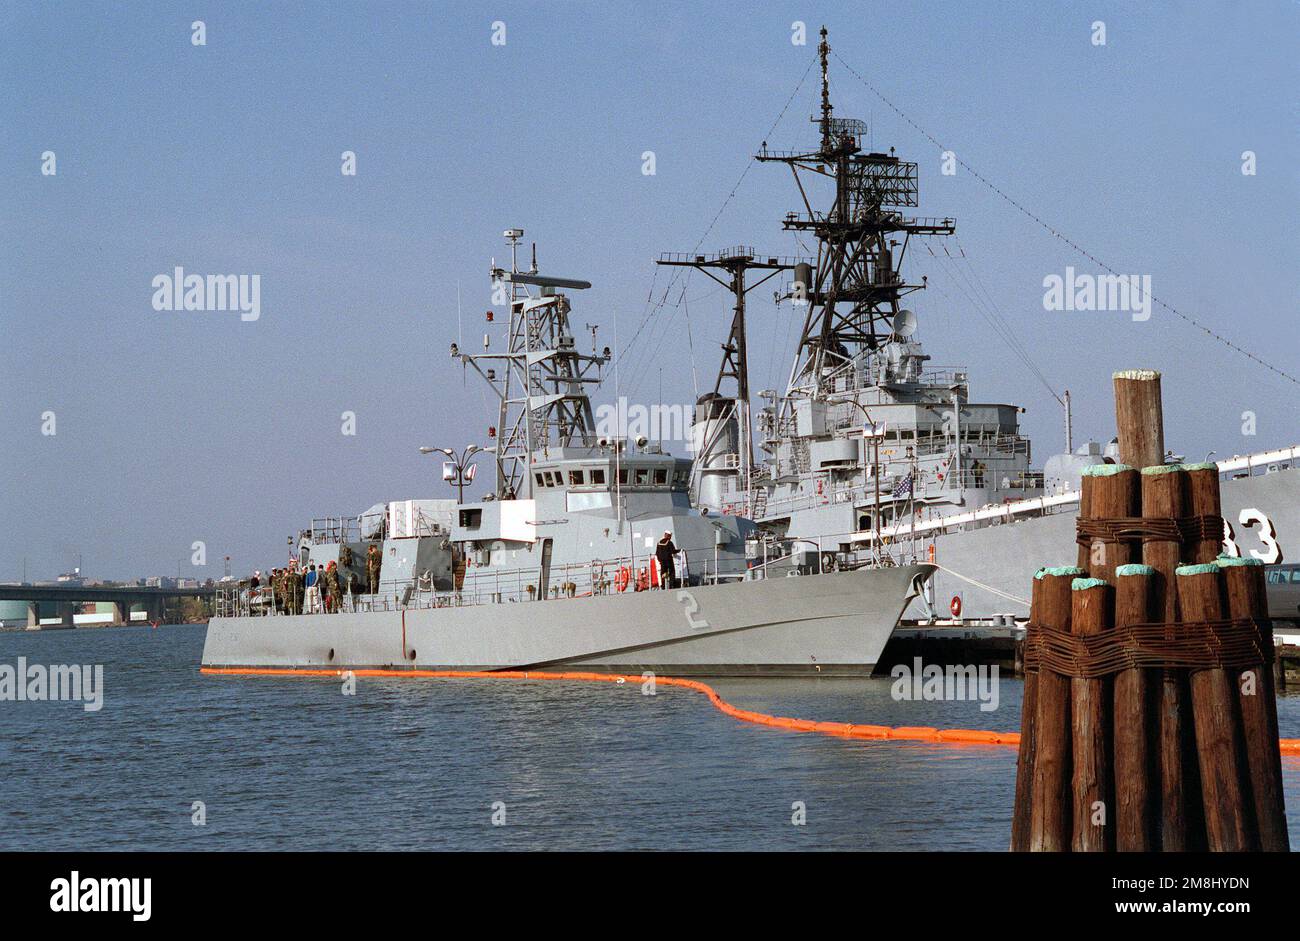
(418, 764)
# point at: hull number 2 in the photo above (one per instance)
(692, 611)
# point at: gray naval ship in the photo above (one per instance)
(872, 451)
(557, 566)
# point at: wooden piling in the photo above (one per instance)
(1139, 417)
(1115, 494)
(1203, 500)
(1091, 612)
(1049, 825)
(1257, 697)
(1020, 819)
(1086, 484)
(1229, 810)
(1176, 753)
(1136, 726)
(1165, 497)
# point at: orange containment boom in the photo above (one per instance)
(1289, 746)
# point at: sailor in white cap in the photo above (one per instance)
(664, 555)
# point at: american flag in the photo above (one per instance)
(904, 487)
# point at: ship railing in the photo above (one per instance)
(241, 600)
(735, 251)
(334, 529)
(990, 479)
(507, 586)
(945, 376)
(486, 586)
(831, 553)
(926, 527)
(1263, 462)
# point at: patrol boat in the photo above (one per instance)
(872, 450)
(555, 566)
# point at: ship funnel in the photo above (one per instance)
(714, 439)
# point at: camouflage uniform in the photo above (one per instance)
(373, 562)
(331, 589)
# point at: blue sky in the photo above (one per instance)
(174, 427)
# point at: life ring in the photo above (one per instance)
(930, 552)
(955, 606)
(622, 578)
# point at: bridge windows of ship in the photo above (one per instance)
(674, 477)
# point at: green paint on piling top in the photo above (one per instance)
(1204, 465)
(1104, 470)
(1134, 568)
(1227, 562)
(1205, 568)
(1162, 469)
(1061, 570)
(1145, 374)
(1083, 584)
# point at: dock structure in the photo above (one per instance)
(1150, 709)
(67, 598)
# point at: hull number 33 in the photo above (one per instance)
(1251, 518)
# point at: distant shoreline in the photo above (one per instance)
(87, 627)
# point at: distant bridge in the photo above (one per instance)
(123, 597)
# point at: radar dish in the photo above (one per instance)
(904, 323)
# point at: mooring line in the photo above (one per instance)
(988, 588)
(842, 729)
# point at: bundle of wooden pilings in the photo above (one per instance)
(1149, 720)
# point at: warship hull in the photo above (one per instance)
(1262, 510)
(832, 624)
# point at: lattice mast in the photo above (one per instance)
(854, 289)
(541, 379)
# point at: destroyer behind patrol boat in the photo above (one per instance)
(549, 570)
(870, 448)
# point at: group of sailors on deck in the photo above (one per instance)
(317, 588)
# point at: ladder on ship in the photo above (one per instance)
(758, 500)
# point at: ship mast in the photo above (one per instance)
(856, 286)
(734, 263)
(541, 383)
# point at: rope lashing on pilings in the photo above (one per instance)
(1233, 644)
(1132, 528)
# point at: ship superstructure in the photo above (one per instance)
(870, 451)
(867, 433)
